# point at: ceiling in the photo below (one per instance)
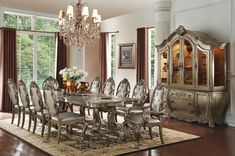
(107, 8)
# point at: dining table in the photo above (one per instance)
(96, 102)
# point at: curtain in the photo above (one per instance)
(61, 62)
(8, 65)
(142, 56)
(103, 58)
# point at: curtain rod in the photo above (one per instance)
(111, 32)
(36, 31)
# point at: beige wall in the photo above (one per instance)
(92, 65)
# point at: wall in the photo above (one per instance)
(92, 65)
(216, 18)
(127, 25)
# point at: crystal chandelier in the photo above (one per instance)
(76, 27)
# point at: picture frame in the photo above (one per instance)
(126, 56)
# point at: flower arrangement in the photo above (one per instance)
(72, 74)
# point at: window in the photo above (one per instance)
(152, 57)
(111, 58)
(36, 50)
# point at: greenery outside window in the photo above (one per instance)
(111, 57)
(36, 46)
(152, 57)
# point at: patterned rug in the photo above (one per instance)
(104, 143)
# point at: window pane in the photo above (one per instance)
(24, 23)
(17, 21)
(176, 62)
(25, 57)
(46, 25)
(45, 58)
(10, 20)
(188, 63)
(219, 54)
(202, 68)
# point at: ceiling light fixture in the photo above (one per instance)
(76, 27)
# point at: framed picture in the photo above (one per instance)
(127, 56)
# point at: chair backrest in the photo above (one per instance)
(139, 93)
(123, 89)
(50, 82)
(24, 95)
(12, 91)
(95, 85)
(36, 96)
(109, 87)
(50, 101)
(156, 103)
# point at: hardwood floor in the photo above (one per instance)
(219, 141)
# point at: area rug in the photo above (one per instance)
(73, 144)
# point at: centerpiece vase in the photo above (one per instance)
(72, 86)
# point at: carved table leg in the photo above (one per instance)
(111, 118)
(97, 120)
(82, 110)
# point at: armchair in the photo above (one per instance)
(138, 117)
(60, 118)
(137, 100)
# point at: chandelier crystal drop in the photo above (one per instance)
(76, 26)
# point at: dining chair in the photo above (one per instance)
(26, 107)
(13, 93)
(95, 85)
(138, 117)
(50, 82)
(123, 89)
(107, 89)
(137, 100)
(60, 118)
(40, 112)
(94, 88)
(53, 84)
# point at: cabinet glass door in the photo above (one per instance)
(188, 63)
(164, 66)
(176, 63)
(202, 74)
(219, 58)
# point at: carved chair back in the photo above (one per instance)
(24, 95)
(156, 103)
(123, 89)
(95, 85)
(36, 96)
(139, 93)
(109, 87)
(13, 93)
(50, 82)
(50, 101)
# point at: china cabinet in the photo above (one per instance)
(192, 71)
